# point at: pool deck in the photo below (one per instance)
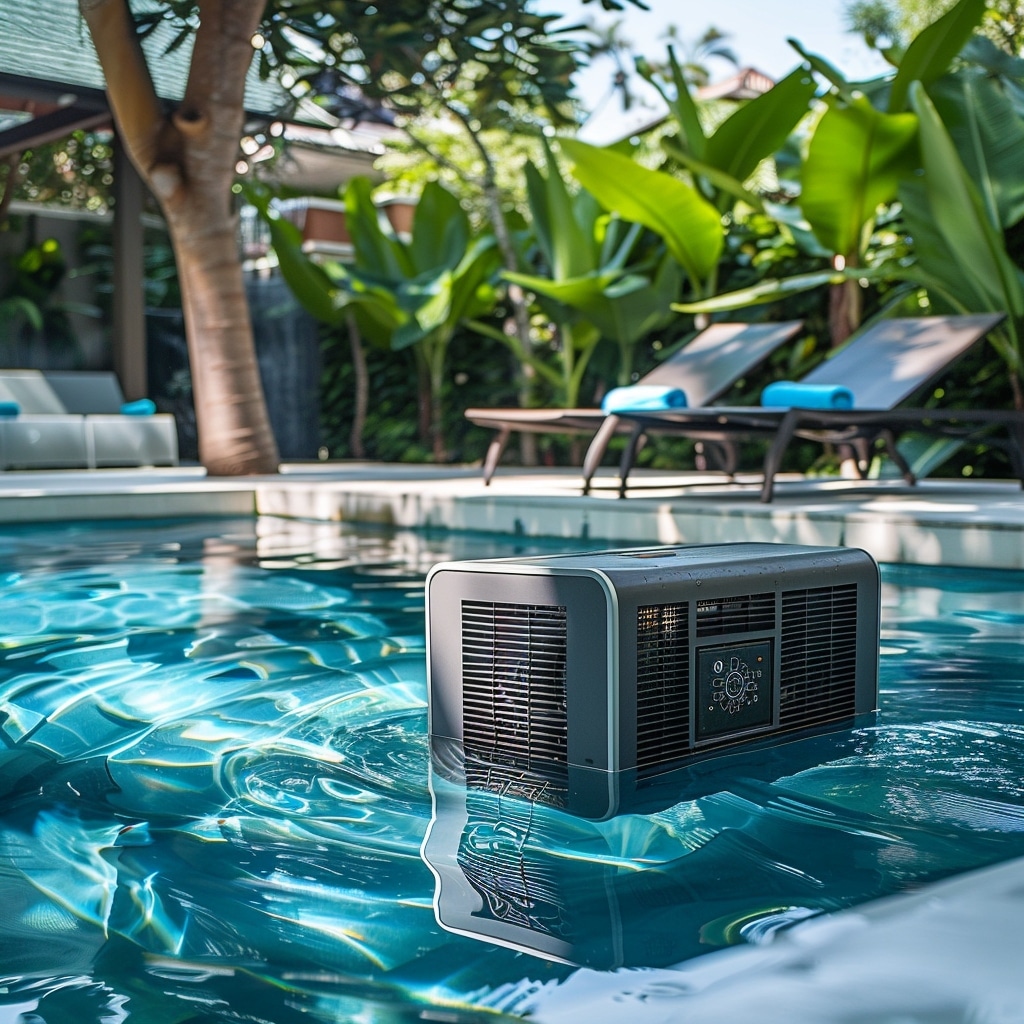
(939, 522)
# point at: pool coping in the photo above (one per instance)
(939, 522)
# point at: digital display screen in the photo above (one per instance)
(734, 688)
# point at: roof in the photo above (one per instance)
(46, 44)
(746, 84)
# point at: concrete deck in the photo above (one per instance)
(969, 523)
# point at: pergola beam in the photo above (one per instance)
(50, 127)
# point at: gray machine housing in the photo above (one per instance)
(579, 680)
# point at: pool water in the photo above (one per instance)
(215, 784)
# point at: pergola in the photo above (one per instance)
(51, 84)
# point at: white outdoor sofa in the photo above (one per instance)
(77, 420)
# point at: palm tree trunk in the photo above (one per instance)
(187, 159)
(235, 437)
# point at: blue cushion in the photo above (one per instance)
(140, 407)
(8, 410)
(785, 394)
(643, 398)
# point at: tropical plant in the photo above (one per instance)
(855, 162)
(960, 246)
(187, 154)
(691, 216)
(593, 286)
(884, 24)
(483, 69)
(687, 222)
(723, 161)
(400, 294)
(863, 153)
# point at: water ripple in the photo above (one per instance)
(214, 764)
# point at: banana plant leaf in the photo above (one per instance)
(578, 292)
(429, 304)
(855, 162)
(759, 127)
(998, 64)
(725, 183)
(690, 226)
(560, 221)
(988, 134)
(936, 266)
(624, 308)
(932, 50)
(681, 104)
(773, 289)
(473, 290)
(729, 156)
(441, 231)
(378, 253)
(960, 216)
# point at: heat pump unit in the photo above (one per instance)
(584, 680)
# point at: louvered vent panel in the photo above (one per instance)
(819, 655)
(513, 679)
(727, 615)
(662, 684)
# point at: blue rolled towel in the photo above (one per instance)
(9, 410)
(140, 407)
(787, 394)
(643, 398)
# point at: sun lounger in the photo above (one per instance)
(75, 420)
(703, 370)
(883, 368)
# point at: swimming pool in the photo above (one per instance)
(215, 785)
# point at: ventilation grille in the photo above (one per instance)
(513, 679)
(819, 655)
(662, 684)
(726, 615)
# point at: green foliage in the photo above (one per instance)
(760, 127)
(452, 159)
(987, 279)
(988, 134)
(513, 58)
(690, 226)
(933, 50)
(594, 287)
(725, 159)
(914, 179)
(855, 162)
(403, 294)
(76, 171)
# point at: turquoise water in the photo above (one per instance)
(215, 785)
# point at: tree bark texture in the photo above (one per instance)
(187, 159)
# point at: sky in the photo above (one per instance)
(757, 32)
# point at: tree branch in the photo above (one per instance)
(130, 92)
(215, 92)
